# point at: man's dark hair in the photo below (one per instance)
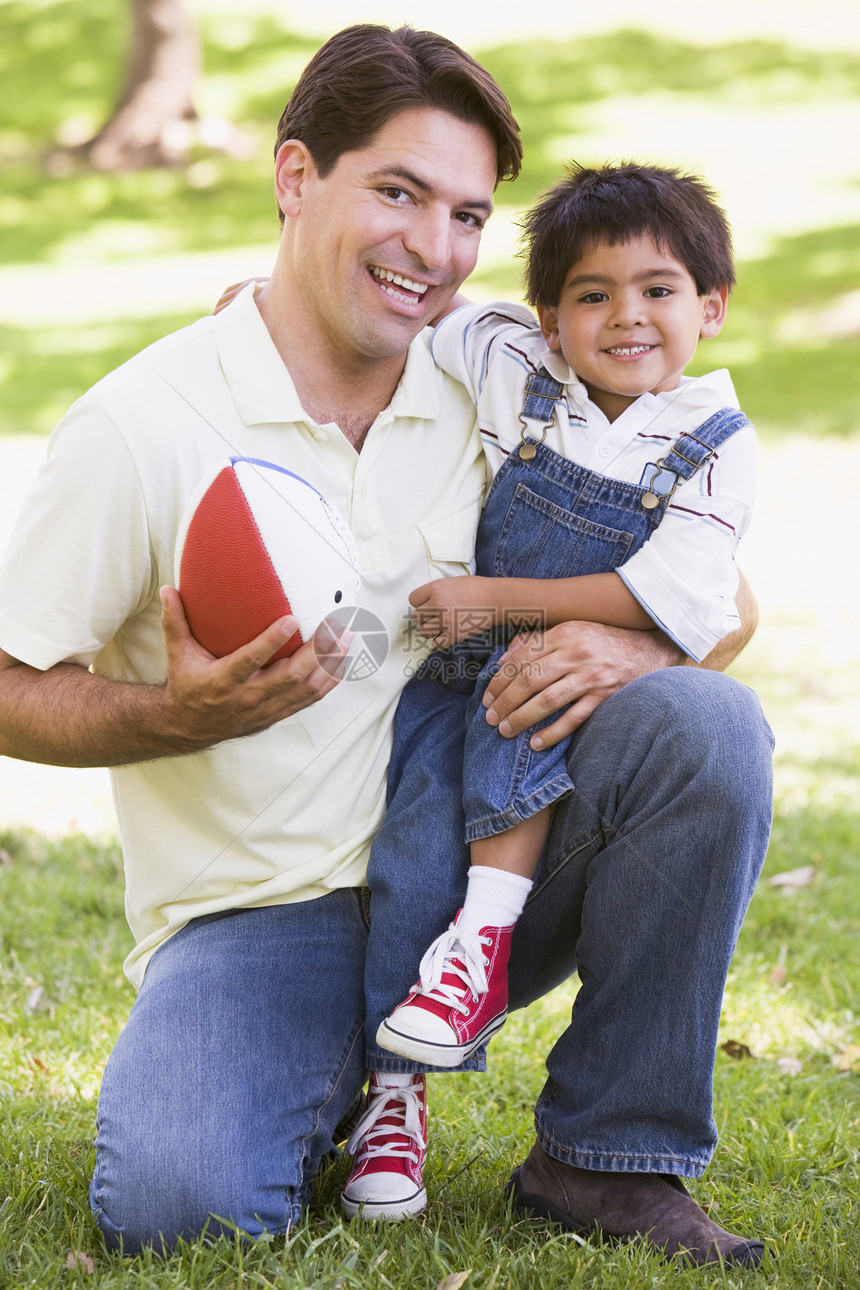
(365, 74)
(612, 204)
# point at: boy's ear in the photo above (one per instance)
(293, 163)
(548, 317)
(714, 310)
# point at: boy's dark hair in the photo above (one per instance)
(365, 74)
(614, 203)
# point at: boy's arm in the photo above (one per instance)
(450, 609)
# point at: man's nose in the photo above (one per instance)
(429, 238)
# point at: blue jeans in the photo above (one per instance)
(641, 891)
(243, 1050)
(242, 1053)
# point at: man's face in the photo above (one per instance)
(386, 239)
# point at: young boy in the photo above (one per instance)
(621, 490)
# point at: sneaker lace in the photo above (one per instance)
(372, 1138)
(455, 954)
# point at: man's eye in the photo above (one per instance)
(470, 220)
(395, 194)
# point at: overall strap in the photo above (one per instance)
(540, 396)
(691, 451)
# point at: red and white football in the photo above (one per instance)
(258, 542)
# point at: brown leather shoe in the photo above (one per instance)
(656, 1207)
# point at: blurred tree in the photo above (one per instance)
(149, 126)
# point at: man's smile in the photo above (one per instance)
(384, 277)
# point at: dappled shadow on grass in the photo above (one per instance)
(548, 82)
(64, 60)
(791, 339)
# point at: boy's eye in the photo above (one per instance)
(658, 293)
(594, 297)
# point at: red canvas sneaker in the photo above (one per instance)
(460, 1001)
(388, 1149)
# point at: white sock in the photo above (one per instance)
(393, 1079)
(494, 898)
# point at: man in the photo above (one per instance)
(248, 795)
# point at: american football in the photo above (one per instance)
(258, 542)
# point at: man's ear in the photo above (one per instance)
(293, 164)
(714, 310)
(548, 317)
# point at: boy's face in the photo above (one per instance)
(628, 321)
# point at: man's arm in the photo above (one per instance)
(576, 666)
(727, 650)
(66, 716)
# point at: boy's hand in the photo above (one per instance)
(231, 292)
(449, 609)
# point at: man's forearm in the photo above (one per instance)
(68, 717)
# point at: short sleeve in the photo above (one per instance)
(78, 564)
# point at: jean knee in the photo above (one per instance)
(152, 1207)
(699, 709)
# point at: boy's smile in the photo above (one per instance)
(629, 320)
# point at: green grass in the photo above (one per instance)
(788, 1165)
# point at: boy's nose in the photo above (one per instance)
(628, 312)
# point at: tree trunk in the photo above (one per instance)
(148, 127)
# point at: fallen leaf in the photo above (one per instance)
(848, 1059)
(34, 1000)
(794, 877)
(789, 1065)
(454, 1281)
(736, 1050)
(76, 1258)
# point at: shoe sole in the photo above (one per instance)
(392, 1210)
(423, 1050)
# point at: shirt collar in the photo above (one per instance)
(262, 387)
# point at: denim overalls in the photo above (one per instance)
(545, 517)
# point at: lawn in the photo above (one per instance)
(93, 267)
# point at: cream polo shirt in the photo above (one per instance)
(685, 575)
(288, 814)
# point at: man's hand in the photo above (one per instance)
(448, 610)
(209, 700)
(68, 716)
(231, 292)
(575, 664)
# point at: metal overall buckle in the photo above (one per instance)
(541, 395)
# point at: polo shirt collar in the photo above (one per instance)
(262, 387)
